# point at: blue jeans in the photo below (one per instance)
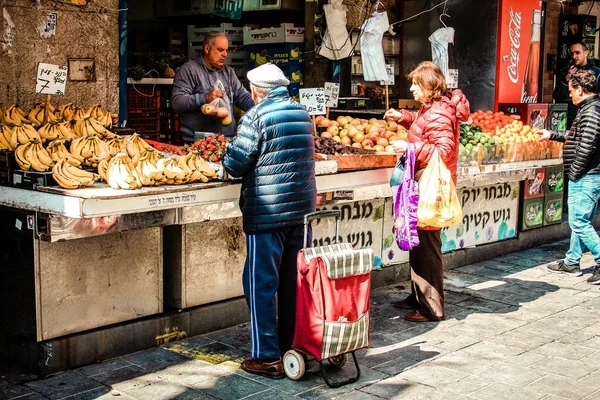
(582, 198)
(271, 269)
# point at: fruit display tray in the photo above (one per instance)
(357, 162)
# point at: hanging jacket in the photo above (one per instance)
(437, 126)
(581, 153)
(274, 153)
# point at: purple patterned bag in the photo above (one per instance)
(406, 200)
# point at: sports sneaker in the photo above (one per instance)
(560, 266)
(595, 278)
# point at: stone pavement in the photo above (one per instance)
(513, 331)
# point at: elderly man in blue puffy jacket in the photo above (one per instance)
(274, 154)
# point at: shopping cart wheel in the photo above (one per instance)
(293, 365)
(338, 361)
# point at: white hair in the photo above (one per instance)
(260, 91)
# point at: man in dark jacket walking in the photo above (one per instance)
(581, 156)
(196, 84)
(274, 154)
(578, 52)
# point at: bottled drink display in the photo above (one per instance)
(530, 90)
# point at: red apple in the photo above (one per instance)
(208, 109)
(359, 137)
(367, 142)
(323, 122)
(388, 134)
(333, 129)
(343, 121)
(222, 112)
(382, 142)
(373, 136)
(357, 145)
(326, 134)
(346, 140)
(391, 126)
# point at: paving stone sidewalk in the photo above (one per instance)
(513, 331)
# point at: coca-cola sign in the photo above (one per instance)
(514, 33)
(514, 36)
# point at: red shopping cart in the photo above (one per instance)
(332, 304)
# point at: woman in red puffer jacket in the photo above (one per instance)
(436, 126)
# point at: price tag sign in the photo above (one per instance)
(452, 78)
(389, 68)
(313, 100)
(51, 79)
(332, 92)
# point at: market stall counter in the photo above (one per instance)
(101, 256)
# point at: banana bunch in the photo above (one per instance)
(106, 120)
(149, 174)
(58, 151)
(91, 149)
(197, 169)
(38, 114)
(120, 173)
(33, 156)
(8, 138)
(56, 130)
(66, 112)
(170, 168)
(25, 133)
(154, 155)
(116, 145)
(79, 114)
(13, 115)
(135, 144)
(95, 111)
(89, 126)
(70, 177)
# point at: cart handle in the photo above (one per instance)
(322, 214)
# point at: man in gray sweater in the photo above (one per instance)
(194, 85)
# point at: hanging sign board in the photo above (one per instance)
(332, 92)
(51, 79)
(389, 68)
(314, 100)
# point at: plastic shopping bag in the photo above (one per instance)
(439, 206)
(219, 107)
(371, 49)
(405, 201)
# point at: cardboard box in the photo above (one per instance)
(553, 209)
(532, 213)
(534, 188)
(557, 117)
(554, 181)
(532, 114)
(32, 179)
(286, 33)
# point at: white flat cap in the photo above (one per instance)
(267, 76)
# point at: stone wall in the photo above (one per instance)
(90, 31)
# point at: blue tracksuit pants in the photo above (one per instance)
(271, 269)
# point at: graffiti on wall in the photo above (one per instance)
(490, 214)
(361, 225)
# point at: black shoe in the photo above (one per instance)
(595, 278)
(560, 266)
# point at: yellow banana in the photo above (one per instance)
(62, 179)
(20, 157)
(43, 155)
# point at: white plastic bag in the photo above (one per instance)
(336, 42)
(439, 47)
(371, 48)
